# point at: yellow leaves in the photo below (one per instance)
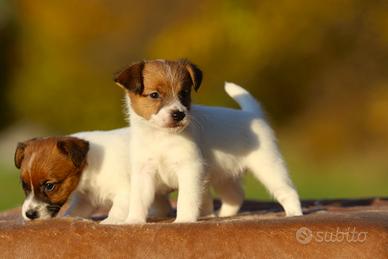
(377, 112)
(316, 64)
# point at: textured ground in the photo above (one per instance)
(330, 229)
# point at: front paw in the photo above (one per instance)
(294, 213)
(112, 221)
(184, 220)
(136, 221)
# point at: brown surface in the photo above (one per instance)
(260, 234)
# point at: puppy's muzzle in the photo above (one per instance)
(178, 116)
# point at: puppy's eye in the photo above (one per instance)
(49, 187)
(184, 93)
(25, 186)
(154, 95)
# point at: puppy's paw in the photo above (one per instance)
(294, 213)
(226, 213)
(134, 221)
(112, 221)
(184, 220)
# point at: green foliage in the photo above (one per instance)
(11, 191)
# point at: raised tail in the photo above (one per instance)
(246, 101)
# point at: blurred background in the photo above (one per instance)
(319, 68)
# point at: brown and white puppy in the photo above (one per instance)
(50, 171)
(175, 144)
(159, 97)
(89, 168)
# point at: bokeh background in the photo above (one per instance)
(318, 67)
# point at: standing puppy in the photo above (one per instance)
(163, 150)
(171, 142)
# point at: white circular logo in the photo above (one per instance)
(304, 235)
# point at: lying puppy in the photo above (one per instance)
(174, 144)
(92, 167)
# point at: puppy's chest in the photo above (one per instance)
(163, 153)
(156, 142)
(165, 173)
(166, 176)
(166, 170)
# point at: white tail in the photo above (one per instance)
(246, 101)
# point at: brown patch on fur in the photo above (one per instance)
(19, 154)
(132, 78)
(171, 79)
(44, 160)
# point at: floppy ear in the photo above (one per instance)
(76, 149)
(19, 154)
(131, 78)
(195, 74)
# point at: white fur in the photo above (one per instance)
(160, 161)
(233, 141)
(222, 142)
(105, 181)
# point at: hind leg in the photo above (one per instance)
(231, 194)
(269, 168)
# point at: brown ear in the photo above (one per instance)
(19, 154)
(132, 78)
(195, 74)
(76, 149)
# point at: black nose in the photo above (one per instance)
(178, 115)
(32, 214)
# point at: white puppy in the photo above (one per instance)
(173, 145)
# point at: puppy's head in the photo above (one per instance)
(50, 169)
(160, 90)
